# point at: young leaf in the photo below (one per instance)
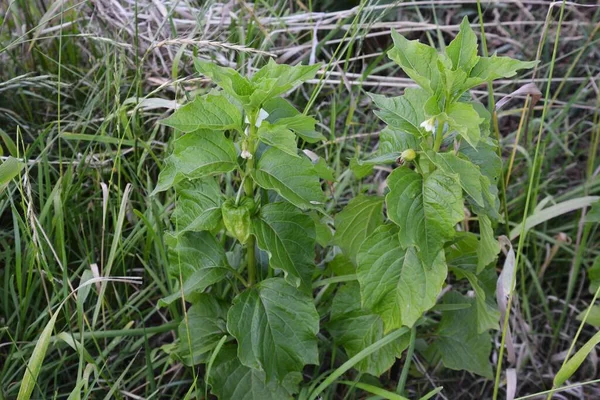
(425, 209)
(237, 217)
(488, 69)
(197, 155)
(9, 169)
(293, 178)
(228, 79)
(488, 315)
(468, 174)
(206, 112)
(358, 219)
(198, 206)
(200, 260)
(355, 330)
(458, 341)
(231, 380)
(288, 236)
(462, 51)
(404, 113)
(206, 324)
(278, 136)
(418, 61)
(463, 119)
(275, 79)
(488, 247)
(275, 326)
(282, 113)
(392, 142)
(395, 283)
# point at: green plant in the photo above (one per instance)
(248, 218)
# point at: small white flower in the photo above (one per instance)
(428, 125)
(262, 115)
(246, 154)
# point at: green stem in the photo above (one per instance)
(249, 190)
(126, 332)
(406, 366)
(439, 136)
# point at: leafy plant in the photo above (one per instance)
(248, 219)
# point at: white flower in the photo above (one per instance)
(428, 125)
(262, 115)
(246, 154)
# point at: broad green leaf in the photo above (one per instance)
(404, 113)
(200, 261)
(593, 317)
(9, 169)
(201, 330)
(458, 340)
(228, 79)
(468, 173)
(488, 315)
(278, 136)
(292, 178)
(462, 252)
(275, 326)
(418, 61)
(488, 69)
(488, 247)
(484, 155)
(275, 79)
(463, 119)
(426, 210)
(355, 330)
(324, 171)
(237, 217)
(356, 221)
(392, 142)
(288, 236)
(198, 206)
(206, 112)
(323, 233)
(360, 169)
(593, 274)
(593, 215)
(571, 366)
(395, 283)
(462, 51)
(341, 265)
(282, 113)
(231, 380)
(197, 155)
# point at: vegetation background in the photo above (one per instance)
(83, 84)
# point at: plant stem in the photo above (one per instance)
(439, 136)
(249, 190)
(406, 366)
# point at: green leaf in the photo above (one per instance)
(404, 113)
(206, 112)
(9, 169)
(237, 217)
(488, 248)
(197, 155)
(571, 366)
(206, 323)
(230, 380)
(488, 69)
(465, 120)
(593, 317)
(392, 142)
(594, 275)
(200, 260)
(360, 169)
(288, 236)
(324, 171)
(462, 51)
(358, 219)
(292, 178)
(355, 330)
(484, 155)
(488, 315)
(198, 206)
(468, 173)
(418, 61)
(458, 340)
(323, 233)
(282, 113)
(275, 326)
(593, 215)
(228, 79)
(425, 209)
(278, 136)
(275, 79)
(395, 283)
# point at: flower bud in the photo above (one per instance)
(408, 155)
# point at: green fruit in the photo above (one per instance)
(237, 218)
